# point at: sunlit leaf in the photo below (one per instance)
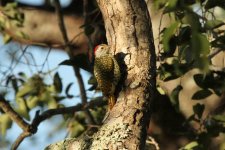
(32, 101)
(5, 123)
(22, 108)
(160, 90)
(6, 38)
(171, 5)
(220, 118)
(191, 146)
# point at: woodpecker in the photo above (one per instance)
(107, 72)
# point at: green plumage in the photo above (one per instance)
(104, 70)
(107, 72)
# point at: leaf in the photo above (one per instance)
(160, 90)
(167, 34)
(6, 38)
(199, 78)
(213, 3)
(174, 97)
(200, 45)
(67, 90)
(201, 94)
(191, 146)
(57, 83)
(25, 90)
(89, 30)
(14, 84)
(32, 101)
(171, 6)
(199, 109)
(184, 35)
(22, 108)
(207, 81)
(5, 123)
(92, 80)
(80, 61)
(172, 71)
(220, 118)
(212, 24)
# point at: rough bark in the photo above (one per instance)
(129, 33)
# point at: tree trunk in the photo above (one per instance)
(129, 33)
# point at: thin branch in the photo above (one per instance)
(69, 51)
(214, 53)
(4, 105)
(66, 110)
(22, 136)
(39, 118)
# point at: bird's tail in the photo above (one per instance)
(111, 101)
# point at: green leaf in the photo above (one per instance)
(220, 118)
(201, 94)
(199, 109)
(57, 83)
(191, 146)
(92, 80)
(167, 34)
(174, 97)
(32, 101)
(171, 6)
(22, 109)
(212, 24)
(25, 90)
(6, 38)
(199, 51)
(5, 123)
(160, 90)
(200, 45)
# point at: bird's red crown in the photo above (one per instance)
(95, 49)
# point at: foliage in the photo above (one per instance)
(190, 42)
(11, 16)
(38, 92)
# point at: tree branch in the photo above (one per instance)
(4, 105)
(32, 128)
(214, 53)
(69, 51)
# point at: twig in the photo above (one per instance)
(4, 105)
(214, 53)
(85, 15)
(67, 110)
(39, 118)
(22, 136)
(69, 51)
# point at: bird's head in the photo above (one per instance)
(101, 50)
